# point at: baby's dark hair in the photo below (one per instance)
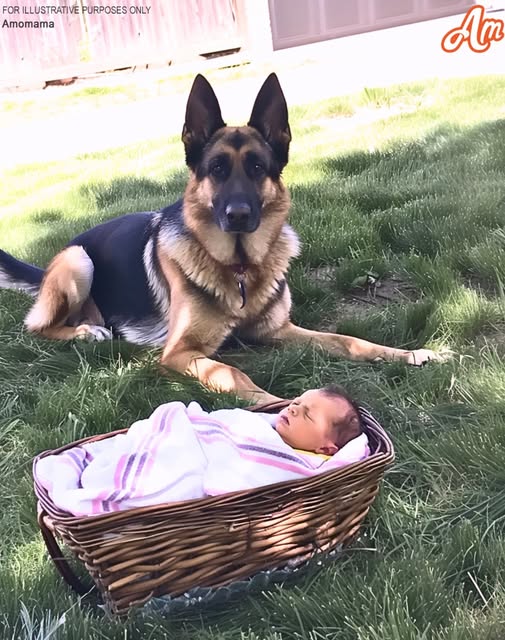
(351, 427)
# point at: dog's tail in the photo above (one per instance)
(15, 274)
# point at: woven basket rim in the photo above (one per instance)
(380, 459)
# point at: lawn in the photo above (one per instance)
(405, 184)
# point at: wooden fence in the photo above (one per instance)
(88, 37)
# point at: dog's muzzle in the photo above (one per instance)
(239, 218)
(238, 213)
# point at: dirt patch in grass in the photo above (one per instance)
(321, 276)
(493, 337)
(487, 287)
(372, 296)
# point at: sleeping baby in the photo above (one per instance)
(183, 452)
(320, 421)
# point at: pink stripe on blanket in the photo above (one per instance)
(271, 458)
(216, 435)
(125, 479)
(74, 457)
(212, 424)
(101, 502)
(131, 463)
(156, 441)
(277, 463)
(131, 481)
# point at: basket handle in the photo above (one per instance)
(58, 558)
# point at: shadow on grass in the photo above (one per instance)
(417, 192)
(106, 194)
(421, 168)
(103, 200)
(437, 199)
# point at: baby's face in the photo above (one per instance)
(309, 421)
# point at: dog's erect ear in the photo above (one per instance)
(270, 117)
(203, 119)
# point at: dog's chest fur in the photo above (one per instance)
(212, 286)
(217, 283)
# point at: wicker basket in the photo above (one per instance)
(168, 549)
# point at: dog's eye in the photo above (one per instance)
(258, 169)
(218, 170)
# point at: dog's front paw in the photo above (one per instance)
(93, 332)
(418, 357)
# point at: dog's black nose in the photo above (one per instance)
(237, 214)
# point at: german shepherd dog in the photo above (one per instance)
(191, 275)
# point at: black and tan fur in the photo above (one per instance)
(170, 277)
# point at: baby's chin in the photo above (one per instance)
(282, 428)
(279, 424)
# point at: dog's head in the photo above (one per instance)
(236, 167)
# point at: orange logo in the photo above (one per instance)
(475, 29)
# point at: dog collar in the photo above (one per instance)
(239, 272)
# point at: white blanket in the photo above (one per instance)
(179, 453)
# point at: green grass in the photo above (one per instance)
(17, 108)
(415, 192)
